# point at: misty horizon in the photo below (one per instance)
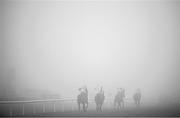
(62, 46)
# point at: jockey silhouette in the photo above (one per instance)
(83, 89)
(119, 98)
(99, 99)
(101, 90)
(137, 97)
(83, 98)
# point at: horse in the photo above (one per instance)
(82, 98)
(137, 98)
(99, 99)
(119, 100)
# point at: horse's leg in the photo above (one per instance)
(96, 107)
(101, 107)
(78, 106)
(135, 102)
(84, 107)
(120, 104)
(118, 107)
(138, 102)
(114, 106)
(87, 105)
(123, 103)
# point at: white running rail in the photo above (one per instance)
(53, 101)
(43, 102)
(22, 103)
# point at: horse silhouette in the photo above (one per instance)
(82, 98)
(119, 100)
(99, 99)
(137, 98)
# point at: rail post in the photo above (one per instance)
(23, 109)
(34, 109)
(63, 106)
(10, 111)
(54, 107)
(72, 108)
(43, 108)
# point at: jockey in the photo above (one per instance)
(101, 90)
(138, 90)
(83, 89)
(123, 92)
(119, 90)
(137, 97)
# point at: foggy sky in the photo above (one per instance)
(61, 46)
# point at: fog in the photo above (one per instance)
(60, 46)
